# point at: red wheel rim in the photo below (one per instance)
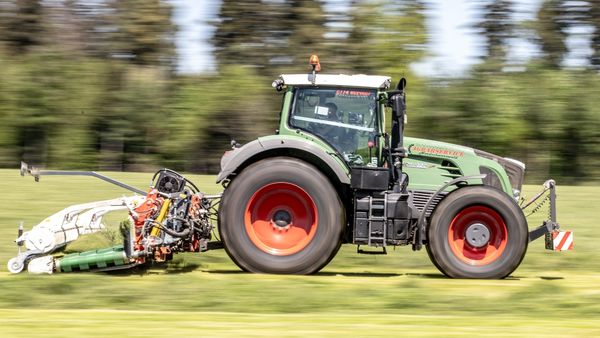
(281, 218)
(498, 235)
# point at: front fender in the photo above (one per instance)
(326, 160)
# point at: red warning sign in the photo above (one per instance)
(562, 240)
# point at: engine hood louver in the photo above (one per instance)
(452, 170)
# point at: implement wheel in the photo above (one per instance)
(15, 265)
(281, 215)
(477, 232)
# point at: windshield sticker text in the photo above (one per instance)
(345, 92)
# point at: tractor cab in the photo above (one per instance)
(344, 112)
(346, 119)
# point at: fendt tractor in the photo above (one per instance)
(330, 175)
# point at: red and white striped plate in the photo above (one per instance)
(562, 240)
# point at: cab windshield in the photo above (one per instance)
(345, 118)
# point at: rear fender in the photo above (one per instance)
(327, 160)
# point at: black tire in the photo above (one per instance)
(311, 208)
(470, 208)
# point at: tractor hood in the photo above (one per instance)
(504, 173)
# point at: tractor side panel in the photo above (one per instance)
(430, 164)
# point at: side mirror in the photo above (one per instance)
(401, 84)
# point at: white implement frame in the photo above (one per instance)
(66, 226)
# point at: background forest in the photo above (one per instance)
(93, 84)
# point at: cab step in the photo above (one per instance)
(383, 251)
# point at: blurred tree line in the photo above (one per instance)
(93, 83)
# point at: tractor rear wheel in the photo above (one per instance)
(477, 232)
(281, 215)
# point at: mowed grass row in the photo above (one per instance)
(549, 294)
(118, 323)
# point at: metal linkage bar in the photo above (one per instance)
(552, 187)
(550, 225)
(36, 173)
(548, 185)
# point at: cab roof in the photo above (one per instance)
(341, 80)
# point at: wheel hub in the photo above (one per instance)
(282, 219)
(477, 235)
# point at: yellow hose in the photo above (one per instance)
(161, 216)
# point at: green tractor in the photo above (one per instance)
(330, 175)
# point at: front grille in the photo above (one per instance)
(420, 198)
(515, 172)
(491, 178)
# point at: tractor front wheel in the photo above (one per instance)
(281, 215)
(477, 232)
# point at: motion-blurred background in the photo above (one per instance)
(140, 84)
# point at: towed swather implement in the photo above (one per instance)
(330, 175)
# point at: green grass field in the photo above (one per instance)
(550, 294)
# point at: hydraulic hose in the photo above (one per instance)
(178, 234)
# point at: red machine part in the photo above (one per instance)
(195, 207)
(150, 209)
(145, 210)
